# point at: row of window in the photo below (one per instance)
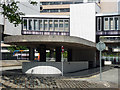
(46, 24)
(60, 2)
(110, 38)
(97, 1)
(67, 2)
(55, 10)
(108, 23)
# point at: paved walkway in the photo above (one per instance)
(10, 68)
(88, 72)
(81, 79)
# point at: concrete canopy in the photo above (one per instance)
(49, 40)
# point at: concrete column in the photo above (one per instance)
(58, 54)
(31, 53)
(42, 50)
(69, 55)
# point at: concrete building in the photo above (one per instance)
(107, 29)
(60, 7)
(77, 25)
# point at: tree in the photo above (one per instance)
(11, 11)
(13, 48)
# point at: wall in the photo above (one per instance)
(1, 18)
(53, 67)
(26, 8)
(82, 21)
(84, 55)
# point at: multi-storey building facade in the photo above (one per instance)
(60, 7)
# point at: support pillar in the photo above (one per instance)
(69, 55)
(58, 54)
(31, 53)
(42, 50)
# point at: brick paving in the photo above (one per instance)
(24, 81)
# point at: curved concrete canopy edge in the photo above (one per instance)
(48, 39)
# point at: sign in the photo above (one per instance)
(101, 46)
(62, 58)
(62, 49)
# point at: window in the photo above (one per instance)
(45, 25)
(45, 10)
(50, 25)
(99, 23)
(45, 3)
(55, 25)
(35, 25)
(40, 25)
(30, 24)
(111, 25)
(61, 25)
(78, 2)
(65, 10)
(53, 10)
(106, 27)
(116, 23)
(91, 1)
(67, 2)
(66, 26)
(55, 3)
(25, 25)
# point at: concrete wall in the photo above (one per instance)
(84, 55)
(82, 20)
(26, 8)
(68, 67)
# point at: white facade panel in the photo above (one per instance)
(10, 28)
(1, 18)
(82, 21)
(26, 8)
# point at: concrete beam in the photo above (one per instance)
(49, 41)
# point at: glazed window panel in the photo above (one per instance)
(106, 24)
(116, 23)
(61, 25)
(45, 25)
(30, 25)
(40, 25)
(25, 24)
(111, 25)
(99, 23)
(50, 25)
(35, 25)
(66, 26)
(56, 25)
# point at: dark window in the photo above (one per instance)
(45, 3)
(78, 2)
(25, 25)
(30, 24)
(53, 10)
(65, 10)
(67, 2)
(55, 3)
